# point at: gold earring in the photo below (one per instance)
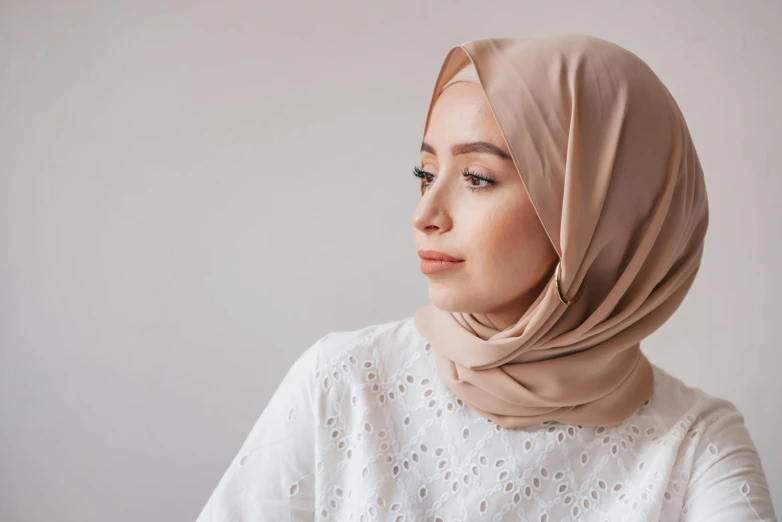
(558, 283)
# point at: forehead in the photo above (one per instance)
(462, 113)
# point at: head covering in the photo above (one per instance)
(465, 74)
(610, 168)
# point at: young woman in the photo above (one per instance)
(562, 220)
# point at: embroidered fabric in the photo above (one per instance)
(361, 428)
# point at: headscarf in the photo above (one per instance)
(609, 165)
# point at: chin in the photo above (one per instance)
(450, 299)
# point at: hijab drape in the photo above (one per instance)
(610, 168)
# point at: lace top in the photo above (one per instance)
(362, 428)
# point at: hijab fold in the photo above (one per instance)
(607, 159)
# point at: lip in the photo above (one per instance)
(437, 256)
(433, 261)
(432, 266)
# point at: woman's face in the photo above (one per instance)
(490, 225)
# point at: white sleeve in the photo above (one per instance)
(727, 482)
(272, 477)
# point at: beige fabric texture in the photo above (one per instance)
(610, 167)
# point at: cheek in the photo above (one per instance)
(513, 240)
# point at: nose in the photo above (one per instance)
(429, 218)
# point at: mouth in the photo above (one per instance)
(433, 266)
(437, 255)
(434, 261)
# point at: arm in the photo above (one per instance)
(272, 477)
(727, 481)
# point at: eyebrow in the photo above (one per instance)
(482, 147)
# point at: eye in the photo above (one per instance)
(426, 179)
(473, 176)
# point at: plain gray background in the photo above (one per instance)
(191, 193)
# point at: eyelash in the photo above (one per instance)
(467, 173)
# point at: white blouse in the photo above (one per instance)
(362, 428)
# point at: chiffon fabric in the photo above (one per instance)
(609, 165)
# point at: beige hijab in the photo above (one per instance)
(606, 157)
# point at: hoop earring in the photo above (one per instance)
(558, 284)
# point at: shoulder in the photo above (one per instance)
(717, 460)
(709, 428)
(709, 424)
(373, 335)
(677, 402)
(333, 346)
(363, 348)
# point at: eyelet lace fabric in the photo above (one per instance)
(361, 428)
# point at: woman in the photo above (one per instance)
(562, 220)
